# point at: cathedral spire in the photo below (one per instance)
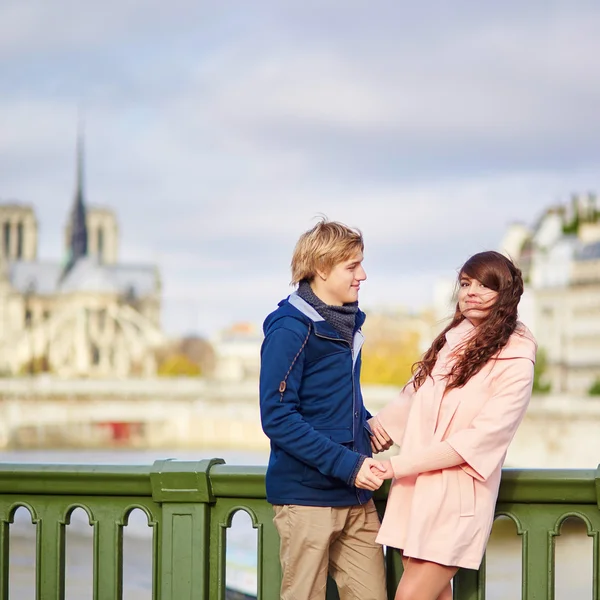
(78, 242)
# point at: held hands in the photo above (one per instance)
(380, 440)
(370, 475)
(384, 470)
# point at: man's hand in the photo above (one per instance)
(367, 478)
(384, 470)
(380, 440)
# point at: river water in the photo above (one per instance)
(573, 549)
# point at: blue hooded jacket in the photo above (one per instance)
(312, 408)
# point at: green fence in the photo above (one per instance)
(190, 506)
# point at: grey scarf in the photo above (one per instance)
(341, 318)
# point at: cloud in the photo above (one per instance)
(218, 133)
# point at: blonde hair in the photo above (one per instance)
(322, 247)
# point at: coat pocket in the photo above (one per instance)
(312, 477)
(466, 485)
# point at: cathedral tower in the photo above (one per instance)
(18, 232)
(77, 237)
(90, 231)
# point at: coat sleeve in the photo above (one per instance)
(281, 418)
(483, 445)
(438, 456)
(393, 416)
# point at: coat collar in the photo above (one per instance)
(521, 343)
(459, 334)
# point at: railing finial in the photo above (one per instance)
(183, 481)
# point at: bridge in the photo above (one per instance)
(190, 507)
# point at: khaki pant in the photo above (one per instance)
(316, 540)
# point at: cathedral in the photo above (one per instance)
(89, 316)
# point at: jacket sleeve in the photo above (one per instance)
(483, 445)
(281, 419)
(394, 415)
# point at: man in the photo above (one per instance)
(321, 475)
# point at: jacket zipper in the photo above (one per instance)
(326, 337)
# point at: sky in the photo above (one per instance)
(219, 131)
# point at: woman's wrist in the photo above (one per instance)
(399, 466)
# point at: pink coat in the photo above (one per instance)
(446, 516)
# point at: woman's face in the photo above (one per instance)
(475, 300)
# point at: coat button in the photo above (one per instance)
(356, 415)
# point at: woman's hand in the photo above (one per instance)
(384, 470)
(380, 440)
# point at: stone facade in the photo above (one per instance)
(237, 353)
(560, 258)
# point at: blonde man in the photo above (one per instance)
(321, 476)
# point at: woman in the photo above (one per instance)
(454, 422)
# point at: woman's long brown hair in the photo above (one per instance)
(497, 273)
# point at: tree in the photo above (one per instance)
(199, 351)
(540, 385)
(35, 366)
(178, 365)
(389, 361)
(191, 355)
(595, 388)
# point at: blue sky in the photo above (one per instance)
(218, 130)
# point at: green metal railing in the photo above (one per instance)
(190, 506)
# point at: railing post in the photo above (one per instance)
(597, 481)
(537, 553)
(50, 554)
(596, 568)
(469, 584)
(4, 555)
(184, 490)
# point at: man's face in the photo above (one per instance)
(342, 284)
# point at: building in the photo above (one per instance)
(90, 315)
(560, 258)
(237, 353)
